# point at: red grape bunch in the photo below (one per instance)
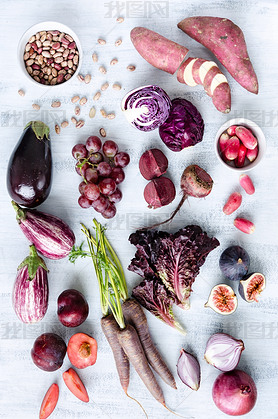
(101, 167)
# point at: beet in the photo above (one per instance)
(159, 192)
(234, 263)
(153, 163)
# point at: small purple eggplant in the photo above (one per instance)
(30, 292)
(52, 237)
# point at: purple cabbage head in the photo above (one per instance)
(184, 127)
(147, 107)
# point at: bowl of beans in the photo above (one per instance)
(240, 144)
(50, 54)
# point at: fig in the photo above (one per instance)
(251, 286)
(234, 263)
(222, 299)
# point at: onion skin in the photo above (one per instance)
(52, 237)
(234, 393)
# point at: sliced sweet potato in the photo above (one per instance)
(75, 385)
(157, 50)
(49, 401)
(195, 71)
(226, 41)
(82, 350)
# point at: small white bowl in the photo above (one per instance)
(46, 26)
(257, 132)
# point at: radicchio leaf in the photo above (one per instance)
(152, 295)
(174, 259)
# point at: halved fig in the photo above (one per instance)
(82, 350)
(222, 299)
(234, 263)
(75, 385)
(49, 401)
(251, 286)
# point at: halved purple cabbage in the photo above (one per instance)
(184, 127)
(146, 107)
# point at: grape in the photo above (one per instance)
(116, 196)
(93, 144)
(107, 186)
(81, 170)
(96, 158)
(79, 151)
(91, 175)
(104, 169)
(84, 202)
(110, 211)
(121, 159)
(117, 174)
(81, 187)
(100, 204)
(91, 191)
(110, 148)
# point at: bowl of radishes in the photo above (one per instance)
(240, 144)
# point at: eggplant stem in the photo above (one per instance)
(168, 219)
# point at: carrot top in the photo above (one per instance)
(108, 268)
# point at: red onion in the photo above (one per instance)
(234, 393)
(146, 107)
(189, 370)
(223, 351)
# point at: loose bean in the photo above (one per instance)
(87, 78)
(57, 129)
(97, 96)
(36, 106)
(95, 57)
(104, 86)
(75, 99)
(64, 124)
(73, 120)
(101, 41)
(116, 86)
(102, 132)
(56, 104)
(82, 101)
(80, 123)
(92, 112)
(21, 92)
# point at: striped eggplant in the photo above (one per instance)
(52, 237)
(30, 292)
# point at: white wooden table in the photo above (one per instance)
(22, 385)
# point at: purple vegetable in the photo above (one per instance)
(169, 264)
(184, 126)
(146, 107)
(30, 292)
(188, 369)
(29, 171)
(152, 295)
(51, 236)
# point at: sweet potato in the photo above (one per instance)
(226, 41)
(157, 50)
(195, 71)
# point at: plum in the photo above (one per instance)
(82, 350)
(48, 352)
(73, 308)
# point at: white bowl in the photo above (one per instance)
(257, 132)
(45, 26)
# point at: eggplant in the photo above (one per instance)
(29, 172)
(30, 292)
(52, 237)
